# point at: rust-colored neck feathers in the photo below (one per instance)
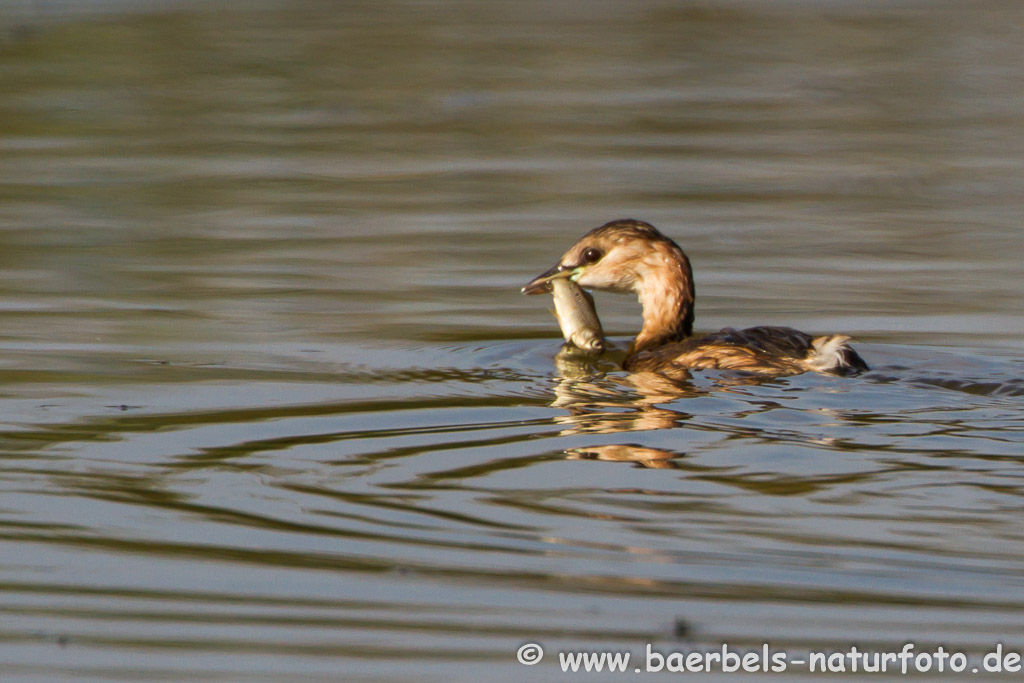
(666, 292)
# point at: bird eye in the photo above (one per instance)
(592, 255)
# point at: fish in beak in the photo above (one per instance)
(542, 283)
(577, 317)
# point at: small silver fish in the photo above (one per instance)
(574, 309)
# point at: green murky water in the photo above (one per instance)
(273, 408)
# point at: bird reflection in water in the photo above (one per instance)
(600, 399)
(640, 456)
(602, 403)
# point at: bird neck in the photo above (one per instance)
(666, 293)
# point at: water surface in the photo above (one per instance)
(274, 409)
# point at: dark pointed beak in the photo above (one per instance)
(542, 283)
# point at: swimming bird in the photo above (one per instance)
(631, 256)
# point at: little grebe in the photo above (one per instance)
(632, 256)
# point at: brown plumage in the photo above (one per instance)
(632, 256)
